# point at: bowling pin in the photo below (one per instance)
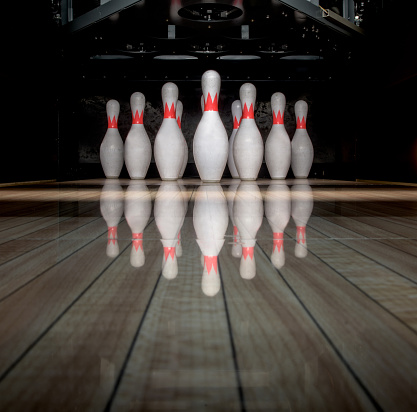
(138, 206)
(138, 150)
(301, 208)
(248, 147)
(169, 214)
(278, 213)
(210, 219)
(111, 208)
(111, 148)
(237, 116)
(236, 245)
(168, 147)
(185, 147)
(210, 145)
(302, 152)
(278, 144)
(248, 213)
(202, 103)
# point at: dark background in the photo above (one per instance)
(361, 94)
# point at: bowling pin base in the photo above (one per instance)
(170, 179)
(210, 181)
(250, 179)
(278, 177)
(301, 177)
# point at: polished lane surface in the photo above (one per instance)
(147, 295)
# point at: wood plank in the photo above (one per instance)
(78, 360)
(285, 363)
(183, 357)
(379, 350)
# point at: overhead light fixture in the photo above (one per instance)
(301, 57)
(110, 57)
(175, 57)
(210, 12)
(235, 57)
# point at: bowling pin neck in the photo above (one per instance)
(210, 263)
(278, 117)
(137, 240)
(112, 122)
(236, 122)
(113, 110)
(247, 94)
(301, 234)
(211, 102)
(179, 110)
(301, 122)
(300, 110)
(169, 100)
(210, 83)
(137, 104)
(137, 117)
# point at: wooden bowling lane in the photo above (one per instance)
(182, 358)
(79, 342)
(377, 347)
(284, 361)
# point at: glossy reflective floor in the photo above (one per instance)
(269, 296)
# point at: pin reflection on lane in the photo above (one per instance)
(210, 219)
(138, 207)
(248, 213)
(302, 206)
(278, 213)
(237, 245)
(169, 211)
(111, 207)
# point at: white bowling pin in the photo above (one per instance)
(301, 208)
(185, 147)
(237, 116)
(168, 147)
(248, 147)
(111, 148)
(210, 219)
(278, 144)
(138, 150)
(111, 208)
(210, 145)
(302, 152)
(248, 213)
(278, 213)
(169, 214)
(138, 206)
(236, 245)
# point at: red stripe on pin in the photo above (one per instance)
(248, 113)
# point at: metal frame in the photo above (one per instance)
(315, 13)
(92, 16)
(349, 10)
